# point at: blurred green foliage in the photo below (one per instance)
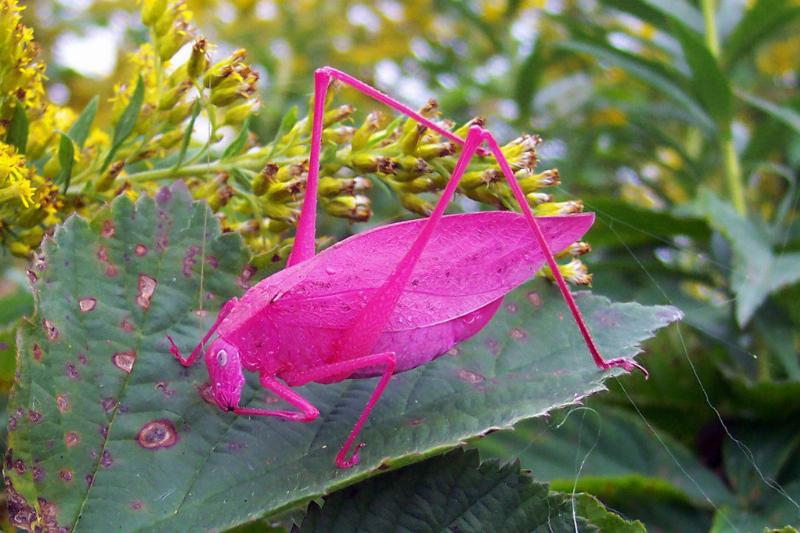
(677, 122)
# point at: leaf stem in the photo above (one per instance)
(731, 167)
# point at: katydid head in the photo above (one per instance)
(225, 373)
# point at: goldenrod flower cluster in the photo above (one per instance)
(255, 189)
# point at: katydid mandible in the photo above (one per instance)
(386, 300)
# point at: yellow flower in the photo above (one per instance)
(14, 182)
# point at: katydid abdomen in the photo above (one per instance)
(295, 319)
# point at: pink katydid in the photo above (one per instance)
(386, 300)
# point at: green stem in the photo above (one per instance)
(712, 40)
(732, 169)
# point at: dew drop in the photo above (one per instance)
(330, 270)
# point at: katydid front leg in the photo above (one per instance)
(174, 350)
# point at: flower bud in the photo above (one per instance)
(107, 180)
(559, 208)
(152, 11)
(170, 97)
(355, 208)
(364, 132)
(262, 180)
(198, 60)
(415, 204)
(431, 151)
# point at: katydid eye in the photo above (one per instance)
(222, 358)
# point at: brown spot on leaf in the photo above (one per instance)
(71, 439)
(102, 254)
(212, 261)
(32, 277)
(189, 260)
(246, 276)
(108, 229)
(469, 376)
(163, 386)
(38, 474)
(34, 416)
(512, 308)
(206, 393)
(19, 466)
(493, 345)
(534, 299)
(12, 423)
(37, 352)
(140, 250)
(157, 434)
(112, 271)
(83, 359)
(108, 404)
(126, 325)
(87, 304)
(65, 474)
(71, 371)
(136, 505)
(106, 460)
(51, 329)
(147, 286)
(518, 334)
(124, 360)
(414, 422)
(62, 402)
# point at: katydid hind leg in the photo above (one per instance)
(626, 364)
(343, 369)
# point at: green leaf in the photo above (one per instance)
(661, 12)
(620, 450)
(709, 83)
(664, 80)
(455, 492)
(287, 122)
(621, 223)
(757, 271)
(187, 135)
(225, 470)
(760, 22)
(66, 158)
(783, 114)
(238, 143)
(127, 122)
(17, 133)
(83, 124)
